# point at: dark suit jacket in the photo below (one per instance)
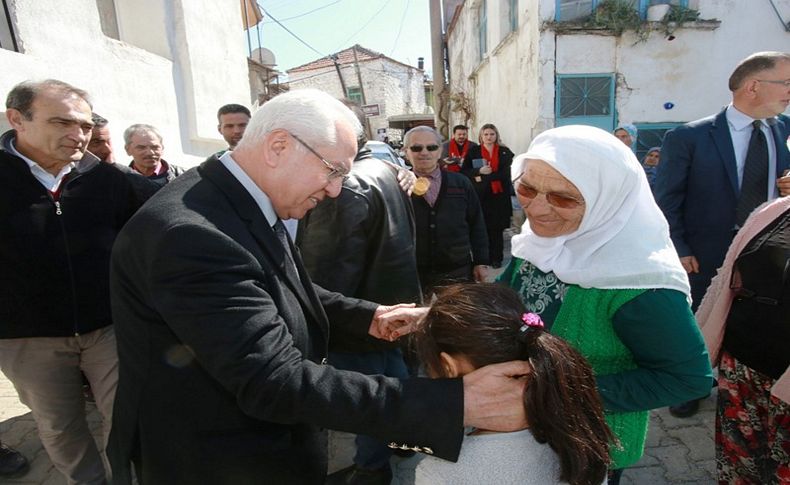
(697, 187)
(221, 375)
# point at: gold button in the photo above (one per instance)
(427, 451)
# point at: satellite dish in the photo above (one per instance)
(264, 56)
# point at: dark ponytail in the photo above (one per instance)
(564, 408)
(485, 323)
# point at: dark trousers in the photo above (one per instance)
(496, 244)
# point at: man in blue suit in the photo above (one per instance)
(701, 173)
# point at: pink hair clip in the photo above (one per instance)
(531, 320)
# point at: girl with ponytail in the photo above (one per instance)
(472, 325)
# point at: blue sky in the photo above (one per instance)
(397, 28)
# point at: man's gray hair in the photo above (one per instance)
(138, 129)
(309, 114)
(421, 129)
(755, 63)
(22, 95)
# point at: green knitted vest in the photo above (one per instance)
(585, 321)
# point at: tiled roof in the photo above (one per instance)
(343, 57)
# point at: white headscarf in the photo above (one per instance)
(623, 239)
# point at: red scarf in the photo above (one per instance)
(493, 162)
(453, 151)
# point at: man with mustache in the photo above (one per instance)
(144, 145)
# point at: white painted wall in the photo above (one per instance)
(194, 63)
(398, 89)
(516, 92)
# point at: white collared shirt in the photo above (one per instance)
(260, 197)
(740, 126)
(49, 181)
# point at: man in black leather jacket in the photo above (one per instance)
(362, 244)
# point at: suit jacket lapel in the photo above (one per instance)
(720, 131)
(779, 131)
(249, 211)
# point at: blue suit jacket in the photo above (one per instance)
(697, 185)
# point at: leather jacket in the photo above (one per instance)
(362, 243)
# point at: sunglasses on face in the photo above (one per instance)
(556, 199)
(418, 148)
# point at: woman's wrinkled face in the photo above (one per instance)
(557, 207)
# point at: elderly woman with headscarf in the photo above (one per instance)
(626, 133)
(594, 259)
(650, 165)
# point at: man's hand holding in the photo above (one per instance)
(406, 179)
(690, 264)
(494, 396)
(479, 273)
(783, 184)
(393, 322)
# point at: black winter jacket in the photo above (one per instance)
(452, 233)
(54, 255)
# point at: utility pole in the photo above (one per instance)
(339, 75)
(437, 55)
(362, 91)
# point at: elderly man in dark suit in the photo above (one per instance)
(222, 338)
(716, 170)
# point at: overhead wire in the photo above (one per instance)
(365, 25)
(289, 31)
(307, 13)
(400, 27)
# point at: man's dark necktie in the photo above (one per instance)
(754, 187)
(282, 235)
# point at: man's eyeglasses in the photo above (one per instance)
(419, 148)
(556, 199)
(335, 169)
(785, 82)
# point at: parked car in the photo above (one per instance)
(382, 151)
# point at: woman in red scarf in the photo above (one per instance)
(488, 166)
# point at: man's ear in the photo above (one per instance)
(14, 118)
(277, 144)
(126, 147)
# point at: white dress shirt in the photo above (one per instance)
(741, 128)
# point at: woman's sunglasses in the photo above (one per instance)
(556, 199)
(418, 148)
